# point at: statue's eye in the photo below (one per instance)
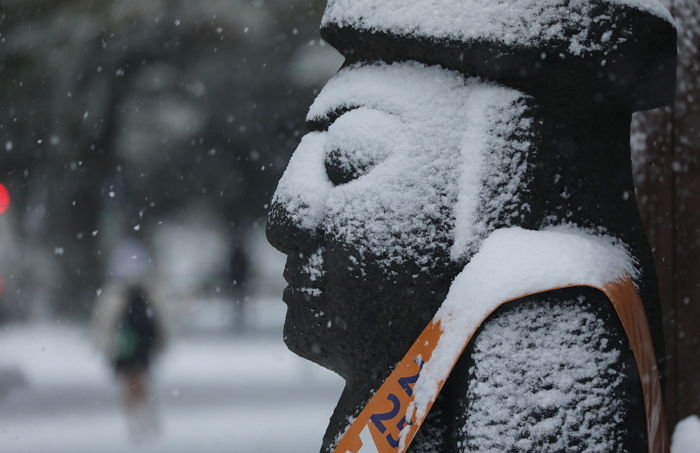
(357, 141)
(342, 167)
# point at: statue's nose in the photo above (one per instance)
(286, 233)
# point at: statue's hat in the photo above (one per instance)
(621, 50)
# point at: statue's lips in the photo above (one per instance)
(300, 295)
(295, 276)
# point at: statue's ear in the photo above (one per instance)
(497, 156)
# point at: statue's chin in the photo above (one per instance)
(302, 339)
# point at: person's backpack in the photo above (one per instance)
(126, 341)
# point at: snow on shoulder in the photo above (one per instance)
(514, 22)
(513, 262)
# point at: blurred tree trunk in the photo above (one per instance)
(667, 167)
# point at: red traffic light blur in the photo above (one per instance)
(4, 199)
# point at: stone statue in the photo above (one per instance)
(451, 121)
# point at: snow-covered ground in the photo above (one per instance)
(218, 393)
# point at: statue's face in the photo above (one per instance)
(366, 211)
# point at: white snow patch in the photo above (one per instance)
(362, 138)
(549, 362)
(421, 143)
(513, 262)
(516, 22)
(499, 136)
(314, 268)
(304, 186)
(686, 436)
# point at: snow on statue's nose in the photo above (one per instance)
(298, 204)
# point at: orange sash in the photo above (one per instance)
(381, 427)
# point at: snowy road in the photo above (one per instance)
(215, 394)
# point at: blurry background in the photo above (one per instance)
(158, 129)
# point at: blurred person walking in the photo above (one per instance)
(130, 332)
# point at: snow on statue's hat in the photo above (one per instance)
(619, 49)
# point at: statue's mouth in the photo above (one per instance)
(306, 276)
(293, 295)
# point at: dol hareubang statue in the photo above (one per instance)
(468, 154)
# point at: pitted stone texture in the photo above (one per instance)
(549, 377)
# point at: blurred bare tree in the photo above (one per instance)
(116, 114)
